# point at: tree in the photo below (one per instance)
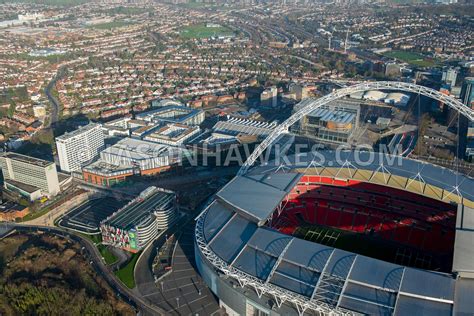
(11, 109)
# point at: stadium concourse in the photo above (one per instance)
(381, 238)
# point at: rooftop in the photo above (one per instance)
(139, 149)
(173, 132)
(22, 186)
(77, 132)
(28, 159)
(327, 115)
(103, 168)
(140, 209)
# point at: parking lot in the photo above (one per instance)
(86, 217)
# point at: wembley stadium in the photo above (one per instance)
(351, 233)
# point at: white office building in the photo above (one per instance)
(80, 147)
(28, 176)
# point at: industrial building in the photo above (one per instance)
(173, 114)
(80, 147)
(141, 220)
(255, 255)
(30, 177)
(173, 134)
(332, 123)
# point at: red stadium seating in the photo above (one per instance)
(351, 205)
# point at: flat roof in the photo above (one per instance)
(139, 149)
(28, 159)
(104, 168)
(139, 210)
(337, 116)
(78, 131)
(22, 186)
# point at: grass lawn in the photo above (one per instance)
(126, 273)
(110, 25)
(202, 31)
(412, 58)
(108, 256)
(96, 239)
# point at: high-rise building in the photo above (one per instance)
(269, 97)
(80, 147)
(467, 92)
(28, 176)
(466, 128)
(449, 76)
(301, 92)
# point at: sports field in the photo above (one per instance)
(371, 246)
(412, 58)
(202, 31)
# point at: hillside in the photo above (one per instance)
(42, 274)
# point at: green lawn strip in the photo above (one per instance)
(202, 31)
(126, 273)
(95, 238)
(413, 58)
(108, 256)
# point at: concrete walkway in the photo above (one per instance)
(182, 292)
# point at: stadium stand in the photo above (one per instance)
(350, 205)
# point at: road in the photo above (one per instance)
(54, 116)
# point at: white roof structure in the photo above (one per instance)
(397, 98)
(375, 95)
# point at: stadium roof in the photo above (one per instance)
(463, 261)
(411, 169)
(324, 274)
(312, 274)
(257, 196)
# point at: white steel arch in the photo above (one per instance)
(338, 94)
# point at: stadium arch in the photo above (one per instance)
(313, 104)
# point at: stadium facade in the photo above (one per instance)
(250, 254)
